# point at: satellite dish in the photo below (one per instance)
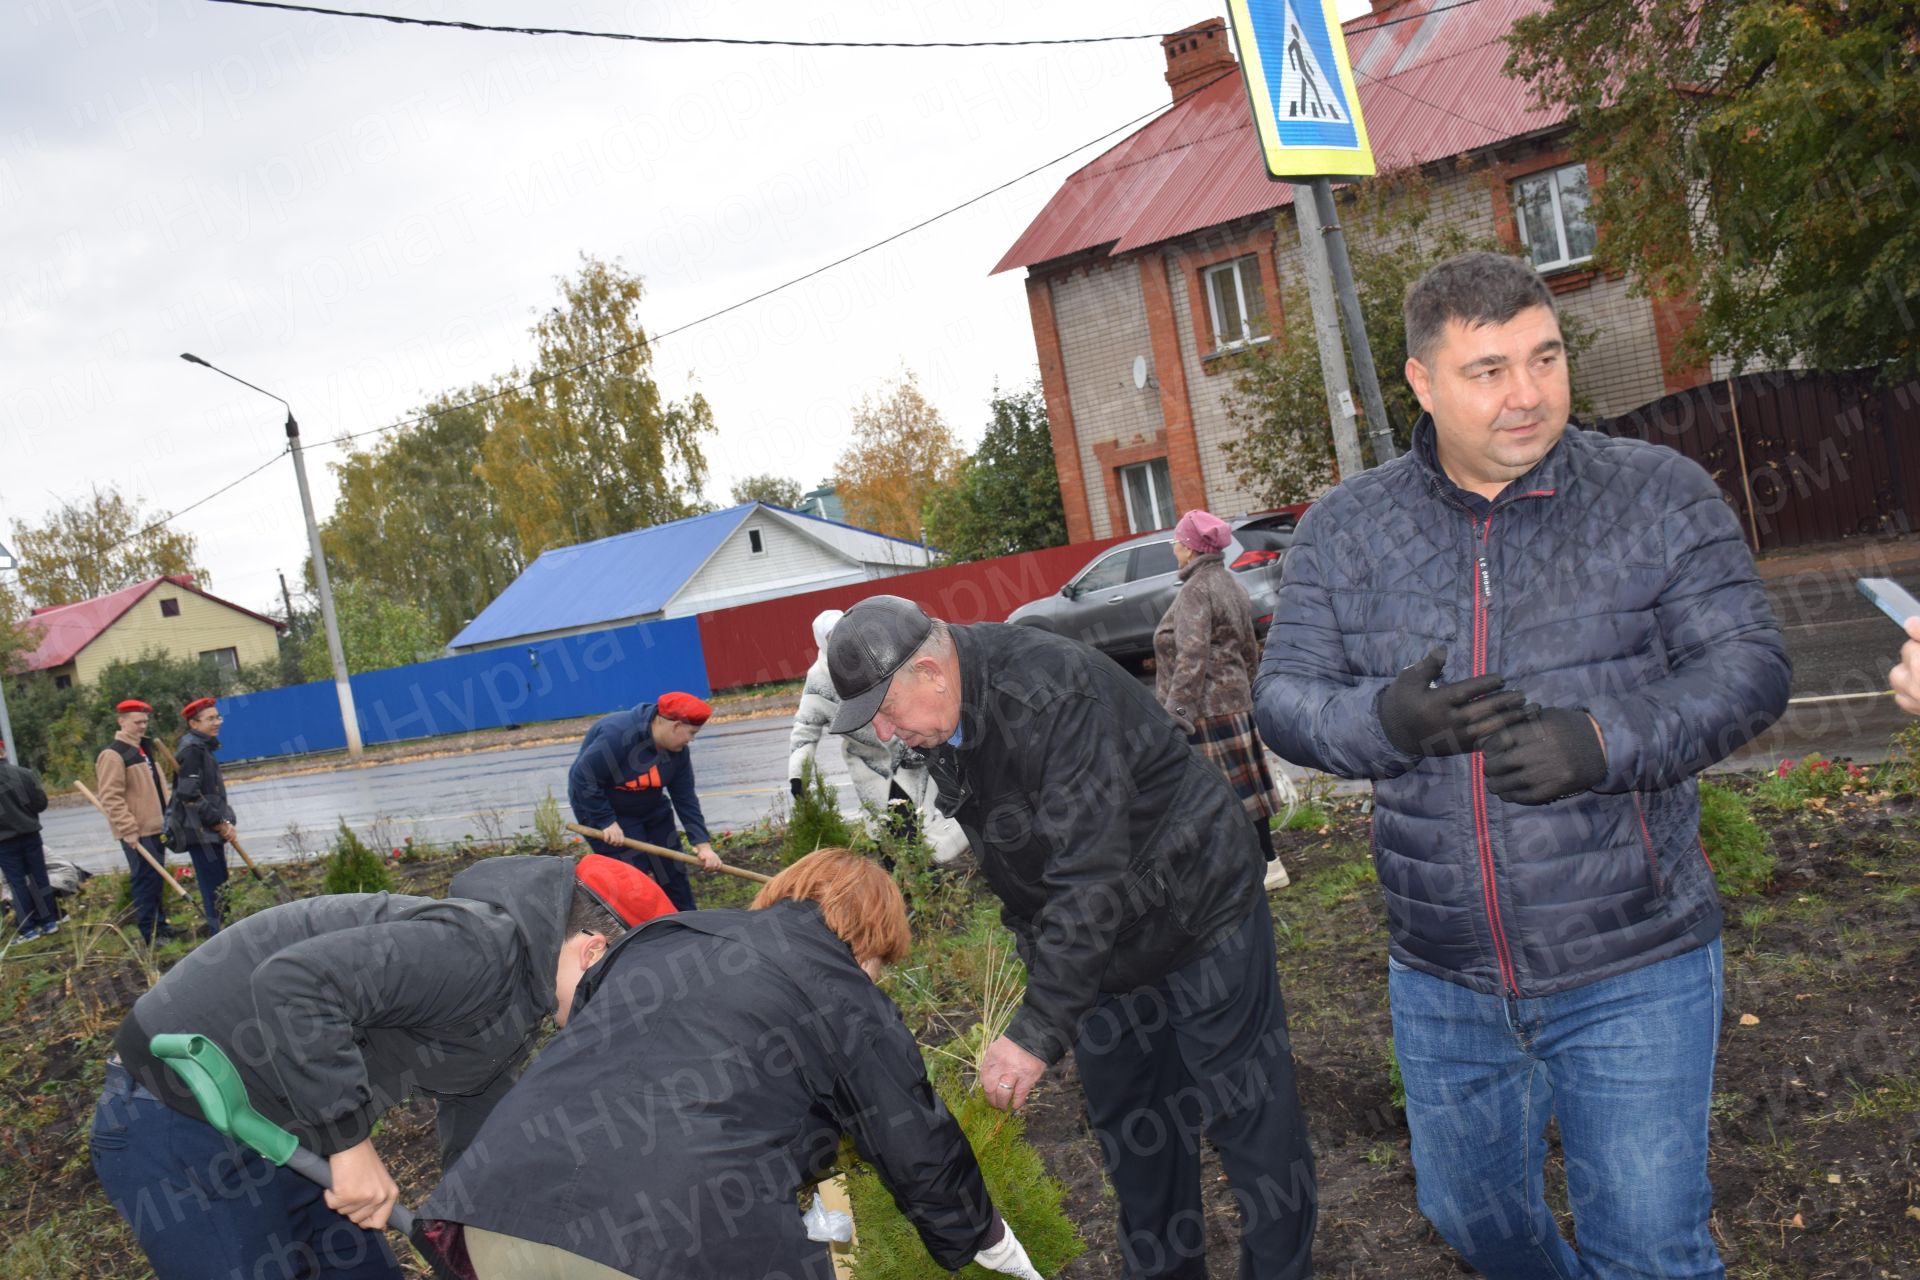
(1139, 373)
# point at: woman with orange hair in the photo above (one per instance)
(710, 1066)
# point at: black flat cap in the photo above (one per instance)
(871, 641)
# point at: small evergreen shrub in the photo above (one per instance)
(352, 867)
(816, 822)
(1734, 843)
(1026, 1195)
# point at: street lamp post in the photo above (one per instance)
(6, 724)
(341, 685)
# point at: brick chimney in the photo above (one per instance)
(1197, 55)
(1381, 6)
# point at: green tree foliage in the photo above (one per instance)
(776, 491)
(61, 731)
(816, 822)
(1757, 156)
(416, 522)
(1282, 448)
(593, 449)
(1006, 497)
(902, 452)
(352, 867)
(376, 632)
(97, 544)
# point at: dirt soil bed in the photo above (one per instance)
(1816, 1120)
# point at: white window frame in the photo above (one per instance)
(1552, 177)
(1242, 285)
(227, 659)
(1161, 501)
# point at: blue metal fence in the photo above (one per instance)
(579, 675)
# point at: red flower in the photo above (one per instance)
(1819, 766)
(1785, 767)
(1854, 770)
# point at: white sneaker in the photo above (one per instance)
(1277, 877)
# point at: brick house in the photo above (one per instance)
(1164, 256)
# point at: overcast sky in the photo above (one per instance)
(358, 216)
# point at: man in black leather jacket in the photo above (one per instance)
(1132, 884)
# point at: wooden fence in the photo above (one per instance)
(1801, 457)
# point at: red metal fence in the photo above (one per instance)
(1801, 457)
(773, 639)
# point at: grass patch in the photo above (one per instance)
(1307, 817)
(1888, 1100)
(1735, 845)
(1342, 883)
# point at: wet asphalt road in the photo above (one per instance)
(1841, 645)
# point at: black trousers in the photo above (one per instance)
(1205, 1050)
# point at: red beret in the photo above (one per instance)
(133, 704)
(628, 892)
(684, 707)
(195, 707)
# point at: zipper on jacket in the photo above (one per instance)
(1646, 841)
(1482, 597)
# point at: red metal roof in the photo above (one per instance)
(65, 629)
(1430, 87)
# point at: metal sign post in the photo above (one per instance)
(1307, 114)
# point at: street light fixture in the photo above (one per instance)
(341, 685)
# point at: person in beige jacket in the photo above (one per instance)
(132, 792)
(1204, 657)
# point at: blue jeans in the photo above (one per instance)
(209, 872)
(206, 1208)
(149, 909)
(24, 861)
(1625, 1065)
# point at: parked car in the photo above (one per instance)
(1116, 600)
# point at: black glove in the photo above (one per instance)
(796, 786)
(1553, 753)
(1422, 719)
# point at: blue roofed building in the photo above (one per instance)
(736, 556)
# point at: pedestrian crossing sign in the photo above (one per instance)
(1294, 59)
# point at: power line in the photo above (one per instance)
(653, 339)
(407, 21)
(175, 515)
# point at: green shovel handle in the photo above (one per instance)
(222, 1096)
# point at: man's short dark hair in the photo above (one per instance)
(1473, 288)
(588, 916)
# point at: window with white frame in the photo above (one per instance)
(1235, 300)
(1554, 221)
(1149, 496)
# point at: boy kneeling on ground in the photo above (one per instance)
(334, 1009)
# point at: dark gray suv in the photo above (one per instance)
(1115, 601)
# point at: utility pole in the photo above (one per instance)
(286, 597)
(1326, 332)
(1379, 429)
(342, 686)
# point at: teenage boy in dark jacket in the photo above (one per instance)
(633, 774)
(23, 857)
(199, 819)
(1533, 638)
(1132, 882)
(333, 1010)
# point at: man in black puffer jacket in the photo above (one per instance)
(1533, 638)
(1132, 882)
(199, 819)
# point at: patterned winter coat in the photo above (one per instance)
(1204, 653)
(1611, 578)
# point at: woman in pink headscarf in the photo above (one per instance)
(1204, 656)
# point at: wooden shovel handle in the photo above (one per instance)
(658, 852)
(152, 861)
